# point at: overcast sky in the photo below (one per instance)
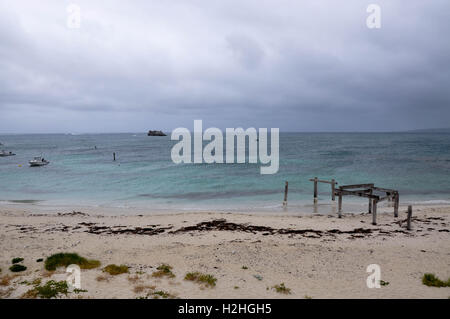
(296, 65)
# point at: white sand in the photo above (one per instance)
(329, 266)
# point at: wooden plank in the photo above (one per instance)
(386, 190)
(357, 186)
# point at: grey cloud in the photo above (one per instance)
(309, 65)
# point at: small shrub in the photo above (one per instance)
(51, 289)
(384, 283)
(432, 281)
(16, 260)
(161, 294)
(164, 270)
(244, 267)
(116, 270)
(66, 259)
(17, 268)
(282, 289)
(208, 280)
(39, 260)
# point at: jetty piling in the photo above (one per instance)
(285, 194)
(333, 184)
(408, 219)
(114, 157)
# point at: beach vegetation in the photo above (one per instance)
(163, 270)
(116, 270)
(6, 280)
(17, 268)
(244, 267)
(282, 289)
(39, 260)
(206, 279)
(16, 260)
(384, 283)
(66, 259)
(51, 289)
(432, 281)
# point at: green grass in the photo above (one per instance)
(66, 259)
(432, 281)
(164, 270)
(16, 260)
(17, 268)
(116, 270)
(282, 289)
(51, 289)
(208, 280)
(162, 294)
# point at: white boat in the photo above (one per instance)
(38, 161)
(3, 153)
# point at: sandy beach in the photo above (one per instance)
(316, 256)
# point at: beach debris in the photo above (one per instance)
(16, 260)
(17, 268)
(258, 277)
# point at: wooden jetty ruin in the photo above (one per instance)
(370, 191)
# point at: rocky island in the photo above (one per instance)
(156, 133)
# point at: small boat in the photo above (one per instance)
(3, 153)
(38, 161)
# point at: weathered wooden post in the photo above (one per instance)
(315, 189)
(285, 194)
(340, 204)
(374, 211)
(333, 187)
(370, 201)
(408, 220)
(396, 203)
(114, 156)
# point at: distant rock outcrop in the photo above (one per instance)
(156, 133)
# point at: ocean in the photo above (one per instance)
(82, 172)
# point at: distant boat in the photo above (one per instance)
(3, 153)
(38, 161)
(156, 133)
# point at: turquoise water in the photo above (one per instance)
(418, 165)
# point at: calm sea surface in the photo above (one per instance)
(418, 165)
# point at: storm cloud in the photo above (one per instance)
(297, 65)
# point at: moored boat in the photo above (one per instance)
(3, 153)
(38, 161)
